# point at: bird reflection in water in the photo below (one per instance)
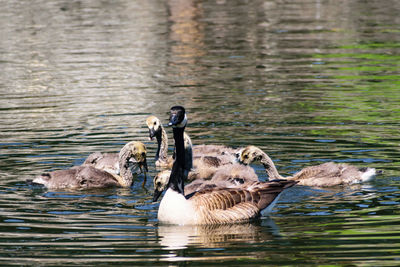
(175, 237)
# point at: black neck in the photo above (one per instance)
(177, 178)
(158, 137)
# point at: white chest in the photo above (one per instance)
(176, 209)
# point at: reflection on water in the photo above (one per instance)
(215, 236)
(307, 81)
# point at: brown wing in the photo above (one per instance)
(226, 205)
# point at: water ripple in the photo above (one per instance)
(306, 81)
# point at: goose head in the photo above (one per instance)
(177, 118)
(133, 157)
(154, 125)
(250, 154)
(160, 182)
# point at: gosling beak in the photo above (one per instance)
(156, 195)
(237, 158)
(152, 134)
(138, 167)
(143, 166)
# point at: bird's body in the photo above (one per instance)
(323, 175)
(79, 177)
(90, 175)
(221, 205)
(331, 174)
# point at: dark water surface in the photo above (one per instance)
(307, 81)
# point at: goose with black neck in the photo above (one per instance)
(214, 205)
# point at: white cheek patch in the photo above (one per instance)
(182, 123)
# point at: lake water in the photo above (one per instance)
(307, 81)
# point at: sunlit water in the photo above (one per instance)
(307, 81)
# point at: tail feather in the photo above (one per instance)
(368, 174)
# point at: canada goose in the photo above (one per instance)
(211, 206)
(88, 176)
(204, 159)
(323, 175)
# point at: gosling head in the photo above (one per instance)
(160, 182)
(177, 118)
(250, 154)
(154, 125)
(133, 157)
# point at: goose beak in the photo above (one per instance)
(156, 195)
(173, 119)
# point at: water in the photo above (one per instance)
(307, 81)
